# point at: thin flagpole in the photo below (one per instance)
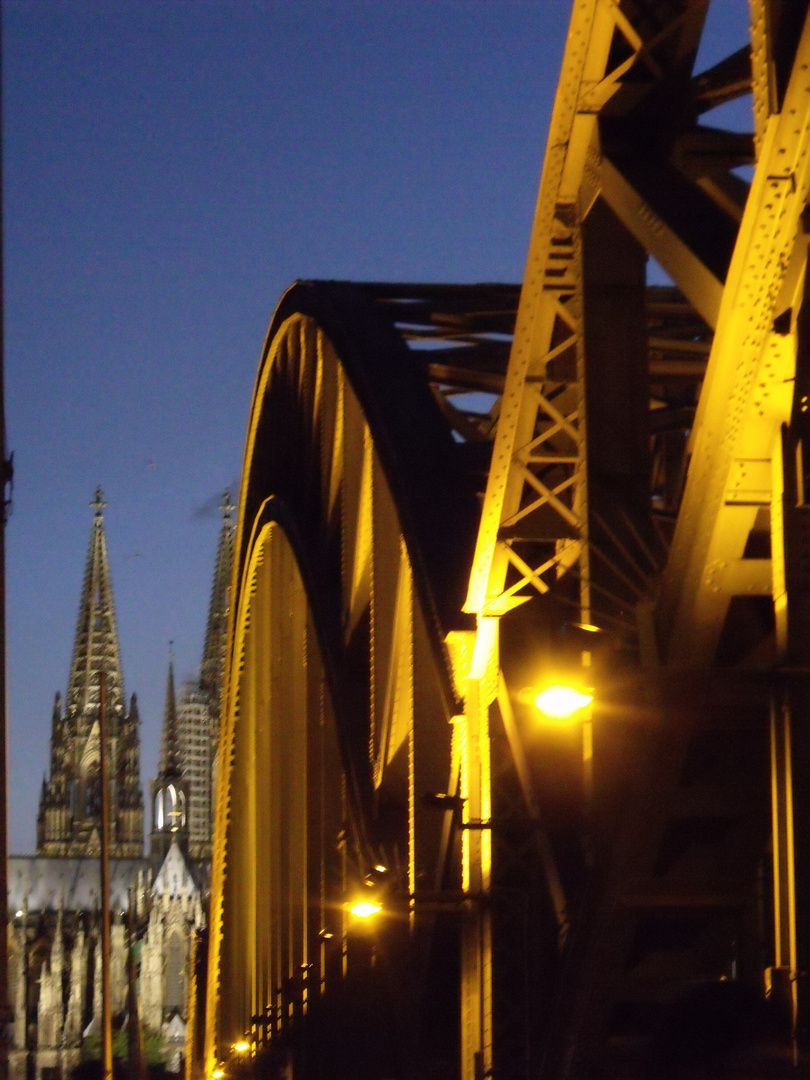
(6, 474)
(106, 1025)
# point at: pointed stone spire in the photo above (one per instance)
(50, 1012)
(54, 799)
(96, 644)
(68, 820)
(212, 669)
(169, 751)
(128, 780)
(78, 975)
(58, 945)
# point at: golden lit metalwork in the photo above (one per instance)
(647, 474)
(743, 294)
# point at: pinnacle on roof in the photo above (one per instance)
(169, 761)
(211, 671)
(96, 644)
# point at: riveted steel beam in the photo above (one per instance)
(747, 391)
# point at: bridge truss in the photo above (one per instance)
(446, 489)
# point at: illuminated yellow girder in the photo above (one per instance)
(541, 430)
(551, 299)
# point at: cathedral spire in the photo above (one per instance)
(70, 805)
(213, 661)
(169, 753)
(96, 643)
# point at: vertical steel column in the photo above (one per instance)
(790, 533)
(783, 975)
(476, 989)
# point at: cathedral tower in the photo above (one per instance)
(198, 709)
(69, 821)
(212, 669)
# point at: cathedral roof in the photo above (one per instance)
(46, 884)
(96, 645)
(176, 1028)
(175, 876)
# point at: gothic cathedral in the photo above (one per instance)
(159, 901)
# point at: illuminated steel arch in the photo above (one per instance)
(640, 453)
(357, 507)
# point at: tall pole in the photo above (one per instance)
(783, 976)
(137, 1057)
(106, 1025)
(5, 480)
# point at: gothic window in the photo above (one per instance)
(177, 814)
(36, 960)
(15, 973)
(174, 996)
(170, 808)
(92, 793)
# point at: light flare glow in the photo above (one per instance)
(561, 702)
(364, 909)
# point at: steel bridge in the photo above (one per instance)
(454, 495)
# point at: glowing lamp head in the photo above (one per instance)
(561, 702)
(241, 1047)
(217, 1074)
(365, 909)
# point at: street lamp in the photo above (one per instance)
(365, 909)
(562, 702)
(569, 703)
(370, 902)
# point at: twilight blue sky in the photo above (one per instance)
(170, 166)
